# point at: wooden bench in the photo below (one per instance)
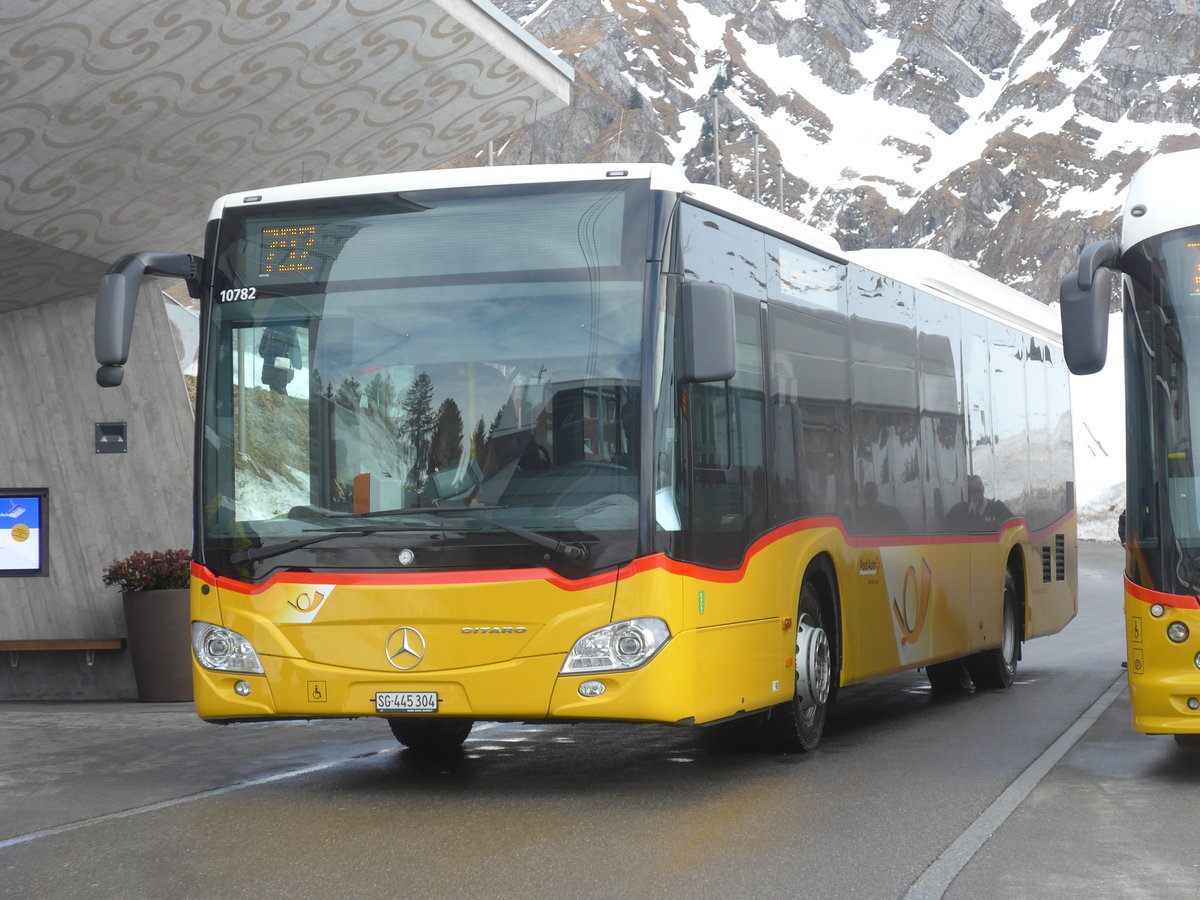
(37, 645)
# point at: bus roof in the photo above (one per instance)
(1162, 197)
(660, 176)
(765, 217)
(436, 179)
(955, 280)
(927, 269)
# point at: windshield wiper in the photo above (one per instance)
(570, 551)
(255, 554)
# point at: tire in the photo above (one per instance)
(949, 678)
(796, 725)
(426, 735)
(994, 669)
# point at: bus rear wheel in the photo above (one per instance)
(428, 735)
(797, 725)
(995, 669)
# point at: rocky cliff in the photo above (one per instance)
(1002, 133)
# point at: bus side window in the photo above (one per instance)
(810, 400)
(887, 496)
(728, 485)
(729, 479)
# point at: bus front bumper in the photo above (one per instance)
(1163, 645)
(523, 689)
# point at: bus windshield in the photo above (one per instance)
(388, 359)
(1163, 346)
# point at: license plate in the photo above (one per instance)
(406, 701)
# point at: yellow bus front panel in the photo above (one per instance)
(491, 644)
(1162, 638)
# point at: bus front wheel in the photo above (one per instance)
(797, 724)
(425, 734)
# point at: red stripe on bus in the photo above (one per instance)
(398, 579)
(1146, 595)
(636, 567)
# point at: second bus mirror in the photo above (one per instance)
(1084, 298)
(707, 331)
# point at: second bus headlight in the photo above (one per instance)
(622, 645)
(224, 650)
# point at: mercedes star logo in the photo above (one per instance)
(405, 648)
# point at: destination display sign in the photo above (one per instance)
(288, 250)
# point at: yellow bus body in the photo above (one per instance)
(496, 641)
(1164, 677)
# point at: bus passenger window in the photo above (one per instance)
(728, 481)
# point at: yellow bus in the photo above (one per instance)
(594, 443)
(1154, 270)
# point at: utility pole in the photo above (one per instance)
(757, 196)
(716, 140)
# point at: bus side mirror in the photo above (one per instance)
(707, 330)
(1084, 297)
(116, 302)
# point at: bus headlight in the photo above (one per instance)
(622, 645)
(223, 650)
(1177, 632)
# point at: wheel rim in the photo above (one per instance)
(812, 665)
(1008, 644)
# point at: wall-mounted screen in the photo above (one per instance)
(22, 532)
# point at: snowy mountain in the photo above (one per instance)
(999, 133)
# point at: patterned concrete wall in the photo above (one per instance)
(100, 506)
(120, 122)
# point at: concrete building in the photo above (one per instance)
(120, 123)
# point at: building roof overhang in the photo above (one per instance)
(119, 126)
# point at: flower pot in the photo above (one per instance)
(160, 644)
